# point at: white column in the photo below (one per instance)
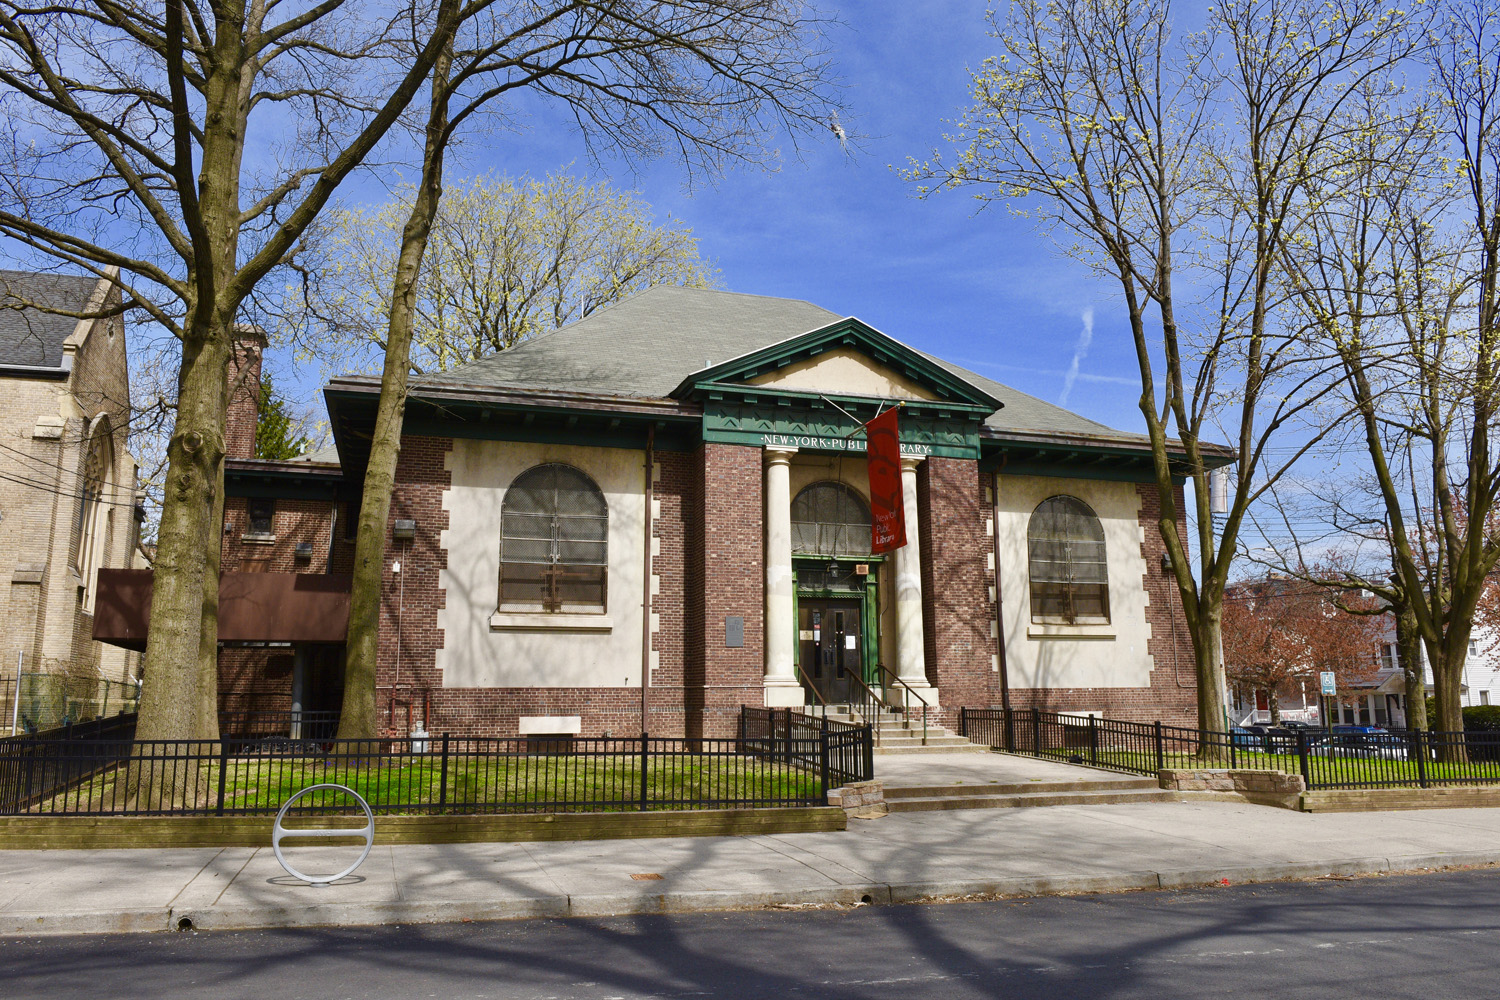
(781, 686)
(911, 650)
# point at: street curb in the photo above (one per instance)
(702, 901)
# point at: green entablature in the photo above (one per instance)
(769, 422)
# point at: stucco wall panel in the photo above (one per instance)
(1113, 656)
(474, 654)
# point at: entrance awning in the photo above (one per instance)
(253, 607)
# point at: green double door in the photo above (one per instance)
(831, 646)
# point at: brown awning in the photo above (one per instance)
(253, 607)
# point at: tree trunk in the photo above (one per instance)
(206, 693)
(173, 690)
(1275, 704)
(1208, 649)
(1447, 680)
(1409, 653)
(359, 719)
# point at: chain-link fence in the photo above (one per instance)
(50, 701)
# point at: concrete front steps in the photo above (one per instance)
(894, 733)
(1108, 791)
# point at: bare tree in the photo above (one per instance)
(190, 144)
(1399, 271)
(708, 81)
(1171, 165)
(508, 259)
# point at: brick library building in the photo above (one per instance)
(662, 512)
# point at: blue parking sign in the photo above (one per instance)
(1330, 686)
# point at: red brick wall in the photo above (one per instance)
(244, 393)
(956, 610)
(673, 526)
(727, 577)
(255, 679)
(1172, 696)
(411, 599)
(295, 521)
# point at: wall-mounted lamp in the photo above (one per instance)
(404, 530)
(304, 550)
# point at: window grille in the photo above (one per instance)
(1068, 569)
(830, 519)
(554, 542)
(261, 515)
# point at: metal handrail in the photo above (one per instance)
(871, 698)
(886, 671)
(821, 702)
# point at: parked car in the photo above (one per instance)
(1245, 737)
(1268, 739)
(1366, 741)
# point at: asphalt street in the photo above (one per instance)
(1430, 936)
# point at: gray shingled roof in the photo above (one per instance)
(328, 455)
(30, 336)
(644, 346)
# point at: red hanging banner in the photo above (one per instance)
(883, 453)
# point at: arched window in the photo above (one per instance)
(830, 519)
(554, 542)
(1068, 570)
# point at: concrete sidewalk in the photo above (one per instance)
(895, 859)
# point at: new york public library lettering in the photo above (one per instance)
(673, 491)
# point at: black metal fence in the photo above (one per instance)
(38, 767)
(776, 765)
(294, 725)
(1325, 760)
(841, 751)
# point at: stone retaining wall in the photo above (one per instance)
(861, 800)
(1231, 780)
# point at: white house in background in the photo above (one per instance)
(1480, 684)
(1380, 700)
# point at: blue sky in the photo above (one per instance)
(983, 290)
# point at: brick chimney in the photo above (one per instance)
(244, 391)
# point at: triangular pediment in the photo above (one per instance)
(846, 371)
(846, 358)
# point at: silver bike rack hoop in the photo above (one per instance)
(278, 832)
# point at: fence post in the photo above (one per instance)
(223, 769)
(1161, 748)
(1010, 730)
(787, 724)
(1302, 759)
(869, 752)
(963, 722)
(443, 777)
(1036, 732)
(645, 759)
(1420, 748)
(1093, 739)
(823, 758)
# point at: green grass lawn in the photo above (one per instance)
(537, 783)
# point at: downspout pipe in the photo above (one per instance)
(999, 616)
(646, 583)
